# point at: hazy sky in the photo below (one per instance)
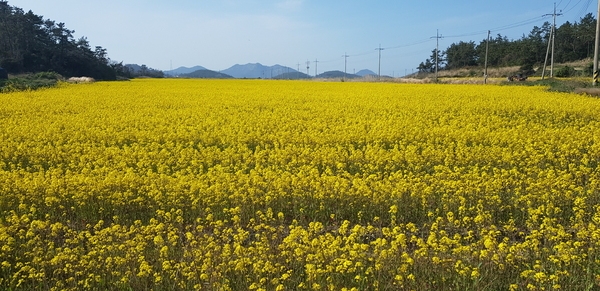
(217, 34)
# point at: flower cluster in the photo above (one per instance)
(259, 185)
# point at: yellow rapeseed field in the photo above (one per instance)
(292, 185)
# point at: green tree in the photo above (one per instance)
(28, 43)
(585, 32)
(430, 64)
(462, 54)
(575, 41)
(426, 67)
(497, 49)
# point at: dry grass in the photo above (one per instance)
(588, 91)
(500, 72)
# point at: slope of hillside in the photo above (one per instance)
(206, 74)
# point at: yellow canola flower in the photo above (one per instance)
(252, 184)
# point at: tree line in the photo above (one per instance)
(572, 42)
(29, 43)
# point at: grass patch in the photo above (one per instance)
(564, 85)
(569, 85)
(30, 82)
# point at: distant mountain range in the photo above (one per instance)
(295, 75)
(258, 71)
(135, 68)
(205, 74)
(248, 71)
(143, 70)
(255, 71)
(365, 72)
(184, 70)
(337, 74)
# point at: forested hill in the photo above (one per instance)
(28, 43)
(573, 42)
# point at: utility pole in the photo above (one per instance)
(316, 67)
(552, 37)
(345, 64)
(307, 67)
(437, 51)
(546, 58)
(487, 46)
(596, 49)
(379, 49)
(298, 72)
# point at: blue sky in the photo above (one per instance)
(217, 34)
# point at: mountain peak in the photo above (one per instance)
(365, 72)
(256, 70)
(184, 70)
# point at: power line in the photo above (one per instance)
(361, 54)
(330, 60)
(468, 34)
(410, 44)
(500, 28)
(521, 23)
(525, 22)
(584, 9)
(567, 10)
(567, 4)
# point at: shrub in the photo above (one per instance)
(565, 72)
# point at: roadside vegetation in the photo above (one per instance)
(574, 42)
(30, 82)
